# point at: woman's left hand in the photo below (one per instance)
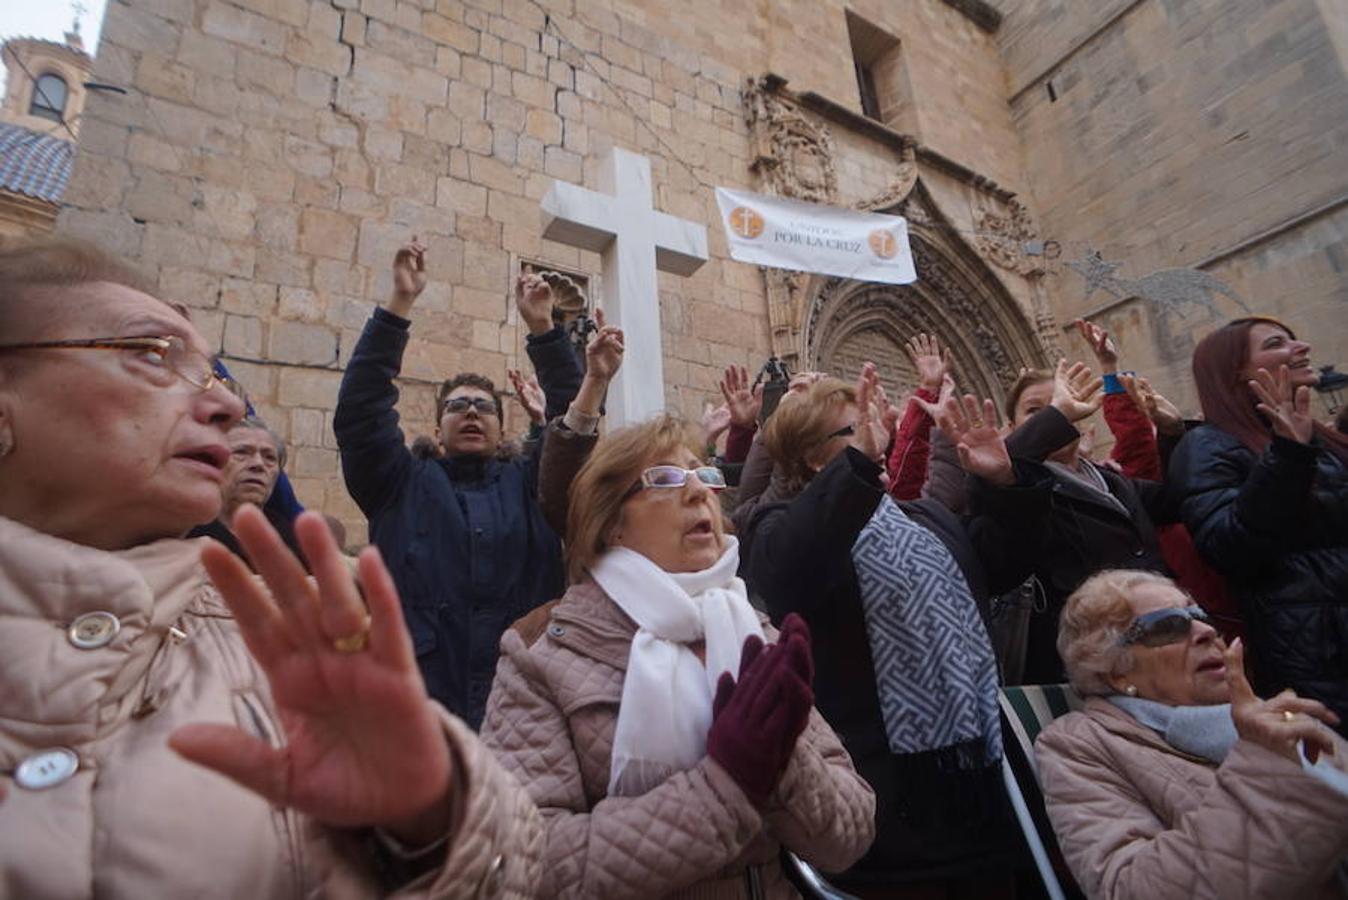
(1288, 408)
(363, 744)
(1281, 722)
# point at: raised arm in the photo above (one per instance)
(553, 358)
(374, 454)
(568, 440)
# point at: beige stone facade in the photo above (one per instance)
(271, 154)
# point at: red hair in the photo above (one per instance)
(1219, 360)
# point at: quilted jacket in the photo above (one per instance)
(136, 820)
(452, 530)
(1136, 818)
(1276, 525)
(551, 721)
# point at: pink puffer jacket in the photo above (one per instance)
(95, 804)
(551, 720)
(1137, 818)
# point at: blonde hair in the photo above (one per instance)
(604, 483)
(798, 428)
(1093, 620)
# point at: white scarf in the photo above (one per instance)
(666, 703)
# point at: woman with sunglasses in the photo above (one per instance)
(892, 593)
(1264, 491)
(137, 668)
(667, 735)
(1175, 780)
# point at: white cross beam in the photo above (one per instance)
(634, 239)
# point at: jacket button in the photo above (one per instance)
(46, 768)
(93, 630)
(556, 630)
(1138, 552)
(494, 880)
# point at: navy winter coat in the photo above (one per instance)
(464, 538)
(1276, 525)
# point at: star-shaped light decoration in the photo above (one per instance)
(1095, 270)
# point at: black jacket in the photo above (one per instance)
(464, 538)
(1084, 533)
(1276, 525)
(799, 559)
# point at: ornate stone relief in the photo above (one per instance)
(831, 323)
(1002, 231)
(901, 184)
(792, 154)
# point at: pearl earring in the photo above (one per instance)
(1131, 690)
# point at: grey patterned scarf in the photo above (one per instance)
(934, 666)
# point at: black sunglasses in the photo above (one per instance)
(1162, 626)
(484, 405)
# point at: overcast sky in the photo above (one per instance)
(49, 19)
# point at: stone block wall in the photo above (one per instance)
(1210, 134)
(271, 155)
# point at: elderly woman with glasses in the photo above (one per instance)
(1176, 781)
(665, 732)
(137, 667)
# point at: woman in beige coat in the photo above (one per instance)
(666, 760)
(1176, 781)
(129, 670)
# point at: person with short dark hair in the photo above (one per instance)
(469, 545)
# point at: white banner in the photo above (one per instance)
(810, 237)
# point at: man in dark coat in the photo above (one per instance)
(463, 535)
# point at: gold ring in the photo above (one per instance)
(1288, 715)
(353, 643)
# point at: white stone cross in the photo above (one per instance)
(634, 239)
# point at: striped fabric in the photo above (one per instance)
(1030, 707)
(33, 163)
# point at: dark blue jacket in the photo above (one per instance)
(464, 538)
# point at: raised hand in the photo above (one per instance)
(1075, 393)
(874, 426)
(604, 353)
(715, 422)
(529, 394)
(1102, 345)
(1280, 723)
(409, 277)
(931, 362)
(533, 299)
(363, 744)
(743, 402)
(933, 410)
(1287, 409)
(977, 439)
(1164, 415)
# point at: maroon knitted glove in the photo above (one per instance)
(757, 719)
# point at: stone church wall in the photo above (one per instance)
(1211, 134)
(271, 154)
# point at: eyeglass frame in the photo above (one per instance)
(161, 343)
(473, 403)
(1137, 628)
(645, 480)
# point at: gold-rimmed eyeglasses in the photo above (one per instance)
(196, 368)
